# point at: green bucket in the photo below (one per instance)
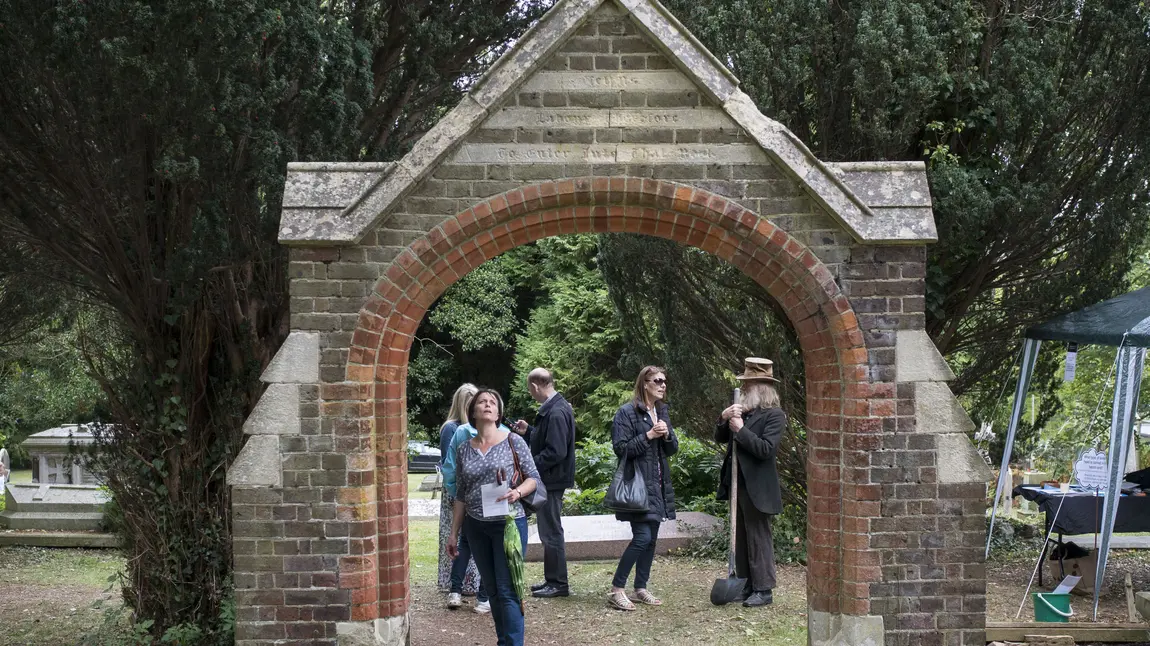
(1052, 607)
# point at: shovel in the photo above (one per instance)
(726, 590)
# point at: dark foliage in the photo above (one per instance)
(142, 158)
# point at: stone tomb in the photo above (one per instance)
(53, 507)
(55, 455)
(595, 538)
(608, 116)
(63, 495)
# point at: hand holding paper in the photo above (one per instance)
(492, 505)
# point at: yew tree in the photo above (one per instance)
(142, 157)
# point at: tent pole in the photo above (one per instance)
(1126, 387)
(1029, 357)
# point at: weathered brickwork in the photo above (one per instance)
(930, 535)
(609, 135)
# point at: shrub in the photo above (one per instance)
(695, 470)
(594, 465)
(588, 502)
(789, 530)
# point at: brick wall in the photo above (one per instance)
(642, 151)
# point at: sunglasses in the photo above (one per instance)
(658, 382)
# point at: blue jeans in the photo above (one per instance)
(459, 570)
(486, 539)
(639, 555)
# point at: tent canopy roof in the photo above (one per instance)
(1104, 323)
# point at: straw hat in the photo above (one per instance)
(756, 369)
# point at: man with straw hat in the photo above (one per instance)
(754, 427)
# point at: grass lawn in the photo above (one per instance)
(24, 475)
(413, 482)
(47, 595)
(51, 596)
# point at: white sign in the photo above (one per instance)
(1090, 469)
(1071, 364)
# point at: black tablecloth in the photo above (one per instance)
(1082, 513)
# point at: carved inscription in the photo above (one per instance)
(610, 153)
(549, 118)
(662, 80)
(534, 154)
(689, 153)
(694, 118)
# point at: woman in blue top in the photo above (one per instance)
(460, 576)
(487, 459)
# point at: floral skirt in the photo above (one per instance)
(471, 577)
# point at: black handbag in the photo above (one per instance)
(534, 500)
(627, 495)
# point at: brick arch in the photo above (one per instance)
(843, 409)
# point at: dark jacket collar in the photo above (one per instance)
(643, 411)
(550, 403)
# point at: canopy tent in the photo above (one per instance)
(1123, 321)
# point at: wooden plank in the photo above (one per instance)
(1081, 632)
(1131, 613)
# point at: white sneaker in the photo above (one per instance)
(454, 601)
(483, 608)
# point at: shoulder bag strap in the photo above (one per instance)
(515, 457)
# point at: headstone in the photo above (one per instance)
(5, 469)
(430, 483)
(1142, 604)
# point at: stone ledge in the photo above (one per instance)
(258, 464)
(329, 185)
(296, 362)
(277, 412)
(828, 629)
(918, 359)
(59, 539)
(390, 631)
(936, 409)
(958, 462)
(886, 183)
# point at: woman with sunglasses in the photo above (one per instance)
(642, 432)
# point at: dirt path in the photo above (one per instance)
(686, 618)
(47, 595)
(1006, 587)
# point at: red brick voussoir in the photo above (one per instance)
(840, 505)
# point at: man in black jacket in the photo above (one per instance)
(552, 442)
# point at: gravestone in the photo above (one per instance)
(5, 469)
(594, 538)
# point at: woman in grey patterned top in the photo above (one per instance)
(487, 459)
